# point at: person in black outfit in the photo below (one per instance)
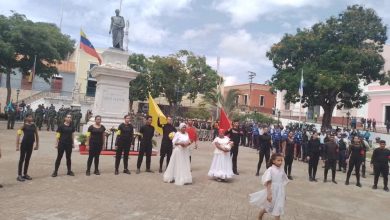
(380, 160)
(355, 150)
(343, 153)
(65, 137)
(330, 158)
(30, 135)
(265, 149)
(289, 150)
(234, 135)
(96, 138)
(123, 142)
(166, 143)
(313, 155)
(146, 144)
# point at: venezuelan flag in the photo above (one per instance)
(87, 46)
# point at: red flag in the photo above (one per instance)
(224, 122)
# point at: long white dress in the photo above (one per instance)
(179, 167)
(221, 166)
(279, 180)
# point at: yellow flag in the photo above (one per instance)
(156, 113)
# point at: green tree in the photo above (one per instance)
(21, 39)
(173, 76)
(199, 113)
(335, 56)
(139, 88)
(214, 98)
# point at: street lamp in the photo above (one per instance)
(348, 114)
(17, 96)
(278, 117)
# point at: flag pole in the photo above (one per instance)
(33, 76)
(300, 97)
(78, 64)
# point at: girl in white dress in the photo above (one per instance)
(272, 199)
(179, 167)
(221, 167)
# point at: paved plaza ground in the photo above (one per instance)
(146, 196)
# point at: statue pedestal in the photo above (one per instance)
(112, 88)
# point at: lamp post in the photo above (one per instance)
(278, 117)
(348, 114)
(17, 96)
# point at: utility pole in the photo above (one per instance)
(251, 76)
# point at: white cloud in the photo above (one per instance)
(243, 12)
(230, 80)
(243, 46)
(202, 32)
(308, 23)
(151, 8)
(146, 33)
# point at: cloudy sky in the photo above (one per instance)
(238, 31)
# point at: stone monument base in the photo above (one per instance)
(112, 89)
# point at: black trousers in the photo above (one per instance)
(256, 141)
(330, 164)
(60, 153)
(26, 150)
(342, 160)
(277, 146)
(119, 150)
(94, 154)
(288, 161)
(313, 164)
(144, 150)
(298, 151)
(379, 169)
(165, 151)
(10, 122)
(234, 154)
(263, 153)
(354, 162)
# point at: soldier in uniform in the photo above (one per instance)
(39, 116)
(60, 116)
(51, 114)
(77, 118)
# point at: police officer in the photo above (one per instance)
(380, 160)
(277, 138)
(11, 113)
(342, 153)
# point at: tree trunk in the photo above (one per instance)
(327, 117)
(131, 105)
(8, 85)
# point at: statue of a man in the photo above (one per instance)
(117, 29)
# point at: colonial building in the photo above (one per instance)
(254, 97)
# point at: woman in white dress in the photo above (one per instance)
(179, 167)
(221, 167)
(272, 199)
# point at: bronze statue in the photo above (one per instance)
(117, 29)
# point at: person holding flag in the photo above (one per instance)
(166, 144)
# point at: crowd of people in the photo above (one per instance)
(342, 148)
(43, 116)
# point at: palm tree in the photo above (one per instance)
(215, 99)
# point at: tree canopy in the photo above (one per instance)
(22, 39)
(335, 57)
(173, 76)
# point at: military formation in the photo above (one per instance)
(48, 116)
